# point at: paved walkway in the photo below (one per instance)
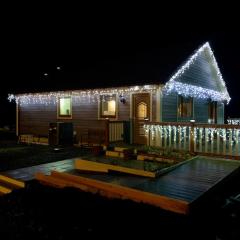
(27, 173)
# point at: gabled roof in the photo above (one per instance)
(199, 77)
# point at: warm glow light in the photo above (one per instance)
(65, 107)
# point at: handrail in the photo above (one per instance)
(200, 125)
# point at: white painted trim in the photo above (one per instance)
(151, 102)
(17, 119)
(158, 96)
(131, 105)
(117, 108)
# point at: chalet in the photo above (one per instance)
(196, 92)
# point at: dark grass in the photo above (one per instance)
(13, 155)
(40, 212)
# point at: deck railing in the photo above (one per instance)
(214, 139)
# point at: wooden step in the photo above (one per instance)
(114, 154)
(13, 182)
(117, 191)
(50, 180)
(4, 190)
(119, 149)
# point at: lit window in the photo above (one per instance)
(142, 110)
(65, 107)
(108, 106)
(185, 106)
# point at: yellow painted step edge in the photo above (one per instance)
(12, 181)
(4, 190)
(82, 164)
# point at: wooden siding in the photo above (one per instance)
(201, 73)
(35, 118)
(124, 109)
(200, 110)
(169, 107)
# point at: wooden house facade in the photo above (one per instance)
(195, 92)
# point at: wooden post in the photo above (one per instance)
(192, 137)
(200, 139)
(175, 137)
(230, 142)
(160, 136)
(206, 139)
(236, 146)
(179, 137)
(107, 132)
(170, 136)
(218, 141)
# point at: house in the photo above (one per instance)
(196, 91)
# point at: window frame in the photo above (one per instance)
(212, 105)
(58, 109)
(180, 106)
(100, 115)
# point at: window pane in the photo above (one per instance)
(65, 107)
(108, 106)
(142, 110)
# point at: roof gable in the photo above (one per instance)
(199, 77)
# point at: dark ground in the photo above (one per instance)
(40, 212)
(13, 156)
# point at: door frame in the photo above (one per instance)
(132, 112)
(131, 105)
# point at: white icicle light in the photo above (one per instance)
(47, 98)
(195, 91)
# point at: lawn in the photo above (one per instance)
(13, 155)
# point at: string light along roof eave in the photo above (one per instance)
(49, 97)
(194, 91)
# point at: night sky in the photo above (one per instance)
(100, 55)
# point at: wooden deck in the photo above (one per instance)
(174, 191)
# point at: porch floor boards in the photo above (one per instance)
(187, 182)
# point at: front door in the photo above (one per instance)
(141, 114)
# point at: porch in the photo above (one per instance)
(205, 139)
